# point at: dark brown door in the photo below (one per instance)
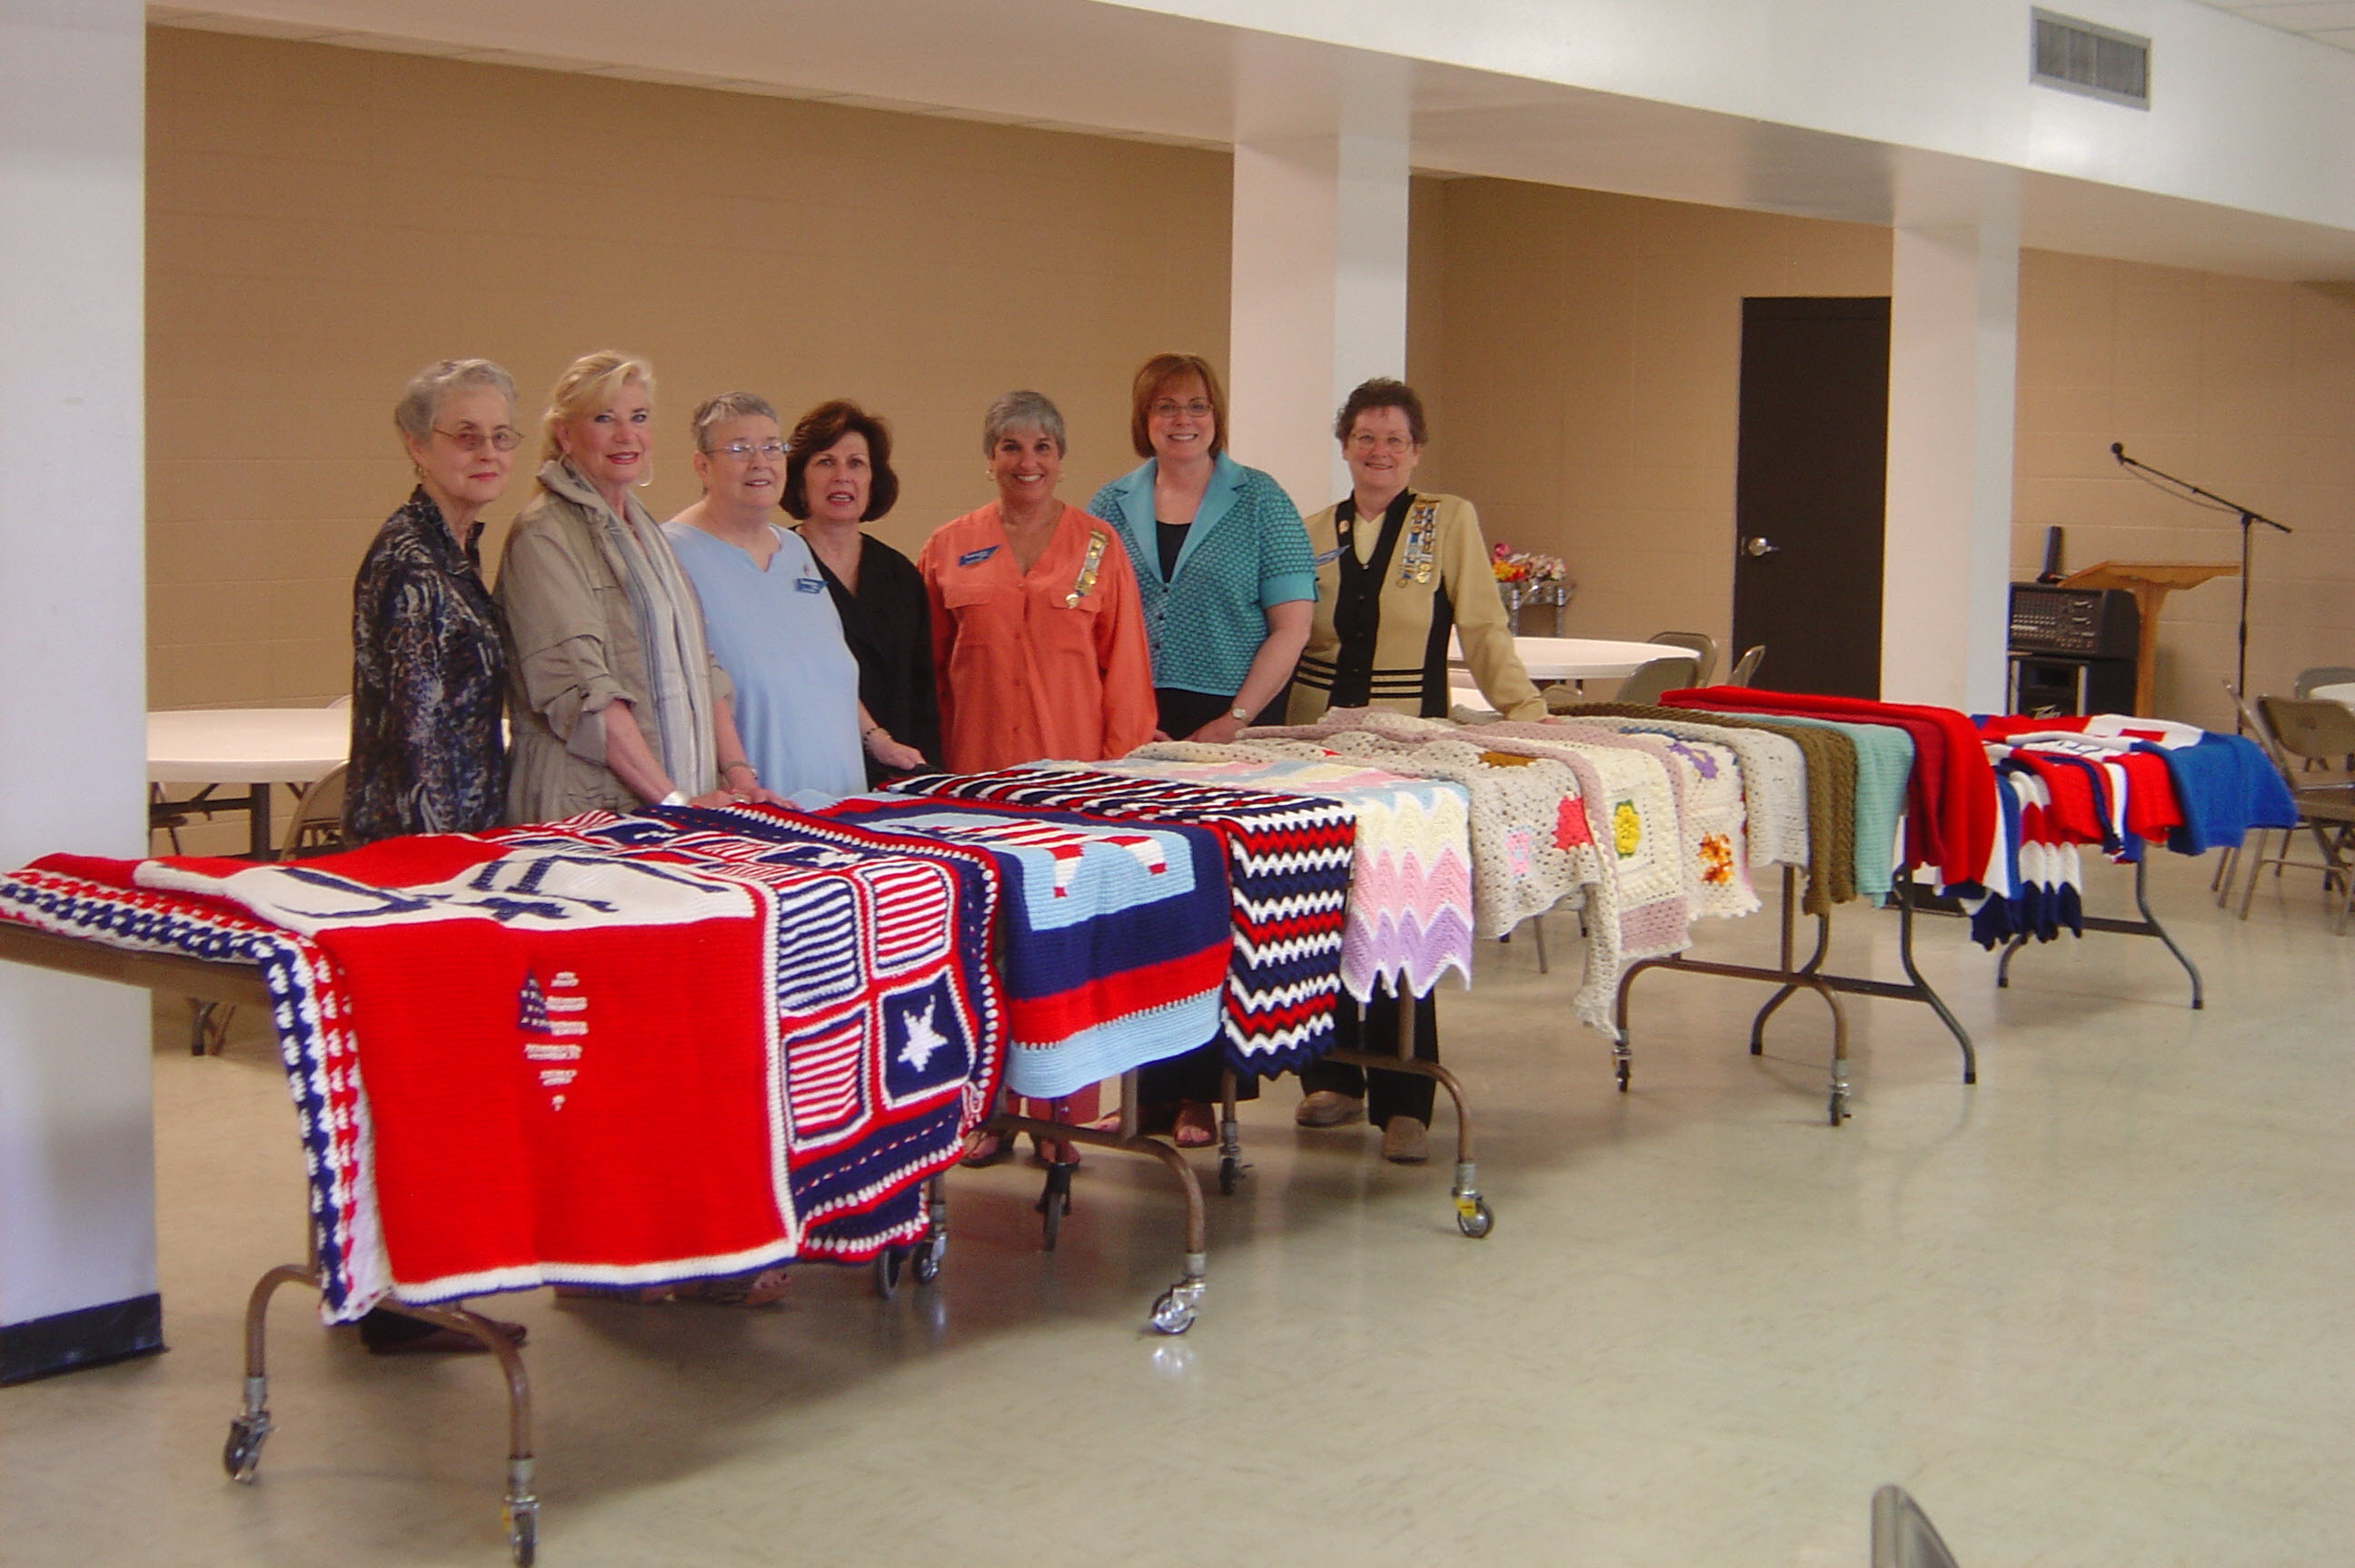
(1809, 491)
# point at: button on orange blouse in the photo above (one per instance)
(1048, 664)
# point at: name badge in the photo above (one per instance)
(1327, 558)
(976, 557)
(810, 584)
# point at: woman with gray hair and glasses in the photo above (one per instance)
(429, 670)
(614, 697)
(770, 618)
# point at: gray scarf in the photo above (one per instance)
(670, 629)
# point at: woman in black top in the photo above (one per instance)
(839, 476)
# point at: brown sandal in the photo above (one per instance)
(762, 1287)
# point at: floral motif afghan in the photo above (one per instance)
(1708, 787)
(1410, 917)
(1287, 873)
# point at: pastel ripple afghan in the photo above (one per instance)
(1411, 916)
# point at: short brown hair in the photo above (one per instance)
(1155, 375)
(816, 431)
(1382, 392)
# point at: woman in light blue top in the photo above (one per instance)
(1228, 585)
(770, 620)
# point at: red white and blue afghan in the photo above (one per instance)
(1115, 937)
(1288, 859)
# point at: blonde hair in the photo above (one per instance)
(591, 384)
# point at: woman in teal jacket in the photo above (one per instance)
(1223, 570)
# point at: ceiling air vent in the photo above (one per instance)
(2100, 62)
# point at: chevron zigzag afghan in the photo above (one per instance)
(1287, 871)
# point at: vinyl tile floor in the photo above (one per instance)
(2098, 1309)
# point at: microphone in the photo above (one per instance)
(2118, 450)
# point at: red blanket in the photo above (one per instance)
(570, 1057)
(1952, 820)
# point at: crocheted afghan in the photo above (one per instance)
(567, 1057)
(1705, 782)
(1287, 875)
(1769, 768)
(71, 895)
(889, 1015)
(1114, 941)
(576, 1071)
(1410, 918)
(1540, 828)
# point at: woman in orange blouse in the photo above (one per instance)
(1038, 642)
(1038, 637)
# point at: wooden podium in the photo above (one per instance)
(2149, 582)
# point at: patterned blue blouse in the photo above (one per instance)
(429, 678)
(1245, 553)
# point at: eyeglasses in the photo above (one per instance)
(1168, 409)
(744, 450)
(1363, 442)
(506, 438)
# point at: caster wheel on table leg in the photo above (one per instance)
(523, 1532)
(927, 1257)
(1056, 1202)
(1230, 1173)
(1173, 1313)
(1623, 1072)
(1475, 1220)
(888, 1264)
(241, 1454)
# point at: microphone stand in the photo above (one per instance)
(2247, 517)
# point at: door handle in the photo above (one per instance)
(1759, 544)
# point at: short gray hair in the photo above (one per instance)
(1022, 410)
(421, 401)
(728, 406)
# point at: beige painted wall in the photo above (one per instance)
(1583, 381)
(321, 221)
(2245, 387)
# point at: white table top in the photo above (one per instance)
(2343, 691)
(246, 745)
(1580, 658)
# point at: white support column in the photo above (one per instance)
(1952, 348)
(1319, 279)
(77, 1161)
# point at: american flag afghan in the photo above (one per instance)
(1288, 860)
(1116, 935)
(891, 1021)
(71, 895)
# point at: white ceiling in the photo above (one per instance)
(2327, 21)
(1104, 70)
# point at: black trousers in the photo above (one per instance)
(1374, 1028)
(1182, 712)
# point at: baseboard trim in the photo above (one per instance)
(86, 1336)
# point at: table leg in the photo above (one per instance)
(257, 816)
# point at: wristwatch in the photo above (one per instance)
(1240, 715)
